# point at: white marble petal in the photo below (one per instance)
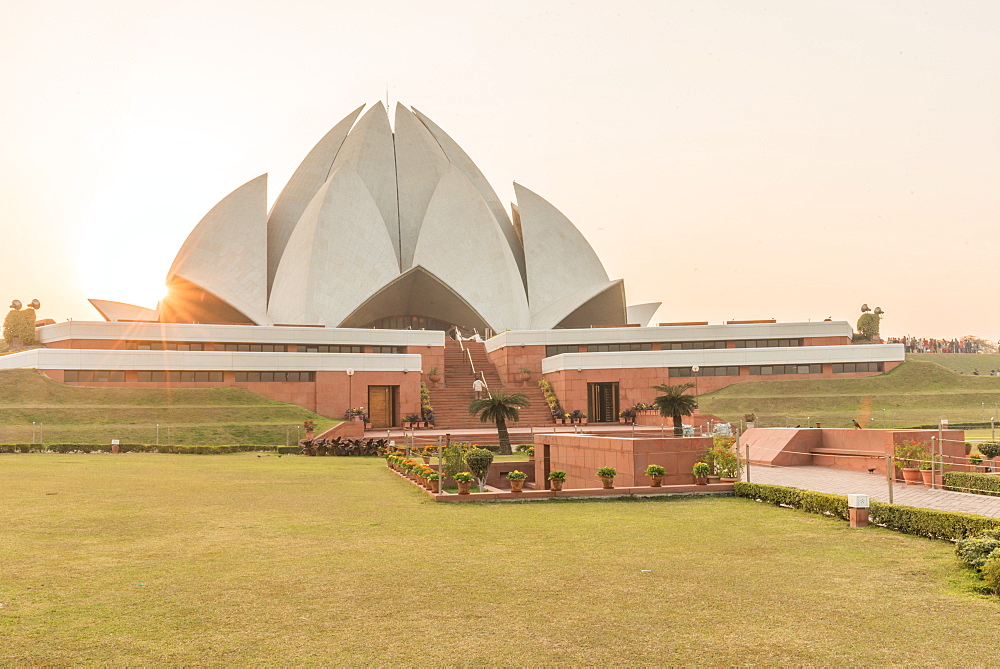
(641, 314)
(310, 175)
(338, 255)
(369, 150)
(460, 159)
(461, 244)
(121, 311)
(556, 255)
(226, 253)
(420, 164)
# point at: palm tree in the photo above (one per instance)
(499, 407)
(674, 403)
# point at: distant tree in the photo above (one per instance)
(19, 327)
(500, 407)
(868, 326)
(674, 403)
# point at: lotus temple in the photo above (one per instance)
(388, 262)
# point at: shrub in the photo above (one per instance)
(804, 500)
(516, 475)
(454, 460)
(989, 449)
(991, 574)
(947, 525)
(979, 484)
(975, 551)
(655, 470)
(20, 324)
(463, 477)
(550, 395)
(557, 475)
(479, 461)
(868, 326)
(607, 472)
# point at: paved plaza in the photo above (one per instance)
(843, 482)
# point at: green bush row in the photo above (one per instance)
(978, 484)
(136, 448)
(804, 500)
(947, 525)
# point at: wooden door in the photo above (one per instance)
(382, 405)
(603, 404)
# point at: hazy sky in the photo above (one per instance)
(736, 159)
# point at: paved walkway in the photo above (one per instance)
(843, 482)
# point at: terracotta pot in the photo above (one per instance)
(726, 479)
(427, 459)
(714, 479)
(434, 378)
(911, 476)
(434, 486)
(609, 481)
(463, 487)
(524, 377)
(517, 485)
(701, 480)
(556, 484)
(657, 480)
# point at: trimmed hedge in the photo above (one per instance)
(928, 523)
(135, 448)
(803, 500)
(977, 484)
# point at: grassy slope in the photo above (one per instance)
(963, 363)
(73, 414)
(335, 561)
(912, 394)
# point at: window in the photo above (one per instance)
(334, 348)
(610, 348)
(728, 370)
(853, 367)
(691, 345)
(163, 346)
(560, 349)
(281, 377)
(92, 376)
(388, 349)
(767, 343)
(768, 370)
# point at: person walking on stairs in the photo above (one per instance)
(478, 387)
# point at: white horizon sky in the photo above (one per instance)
(790, 159)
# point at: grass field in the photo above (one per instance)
(915, 393)
(80, 415)
(169, 559)
(963, 363)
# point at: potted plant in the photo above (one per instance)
(434, 481)
(607, 476)
(434, 375)
(577, 416)
(908, 456)
(975, 460)
(627, 416)
(750, 419)
(427, 452)
(655, 473)
(557, 478)
(700, 471)
(464, 481)
(309, 427)
(524, 374)
(411, 420)
(516, 479)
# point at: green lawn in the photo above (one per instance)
(963, 363)
(82, 415)
(169, 559)
(915, 393)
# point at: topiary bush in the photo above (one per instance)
(479, 461)
(989, 449)
(868, 326)
(19, 324)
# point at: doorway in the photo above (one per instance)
(382, 401)
(603, 402)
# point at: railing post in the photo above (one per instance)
(889, 475)
(747, 447)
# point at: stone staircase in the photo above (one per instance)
(451, 397)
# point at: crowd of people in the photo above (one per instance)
(926, 345)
